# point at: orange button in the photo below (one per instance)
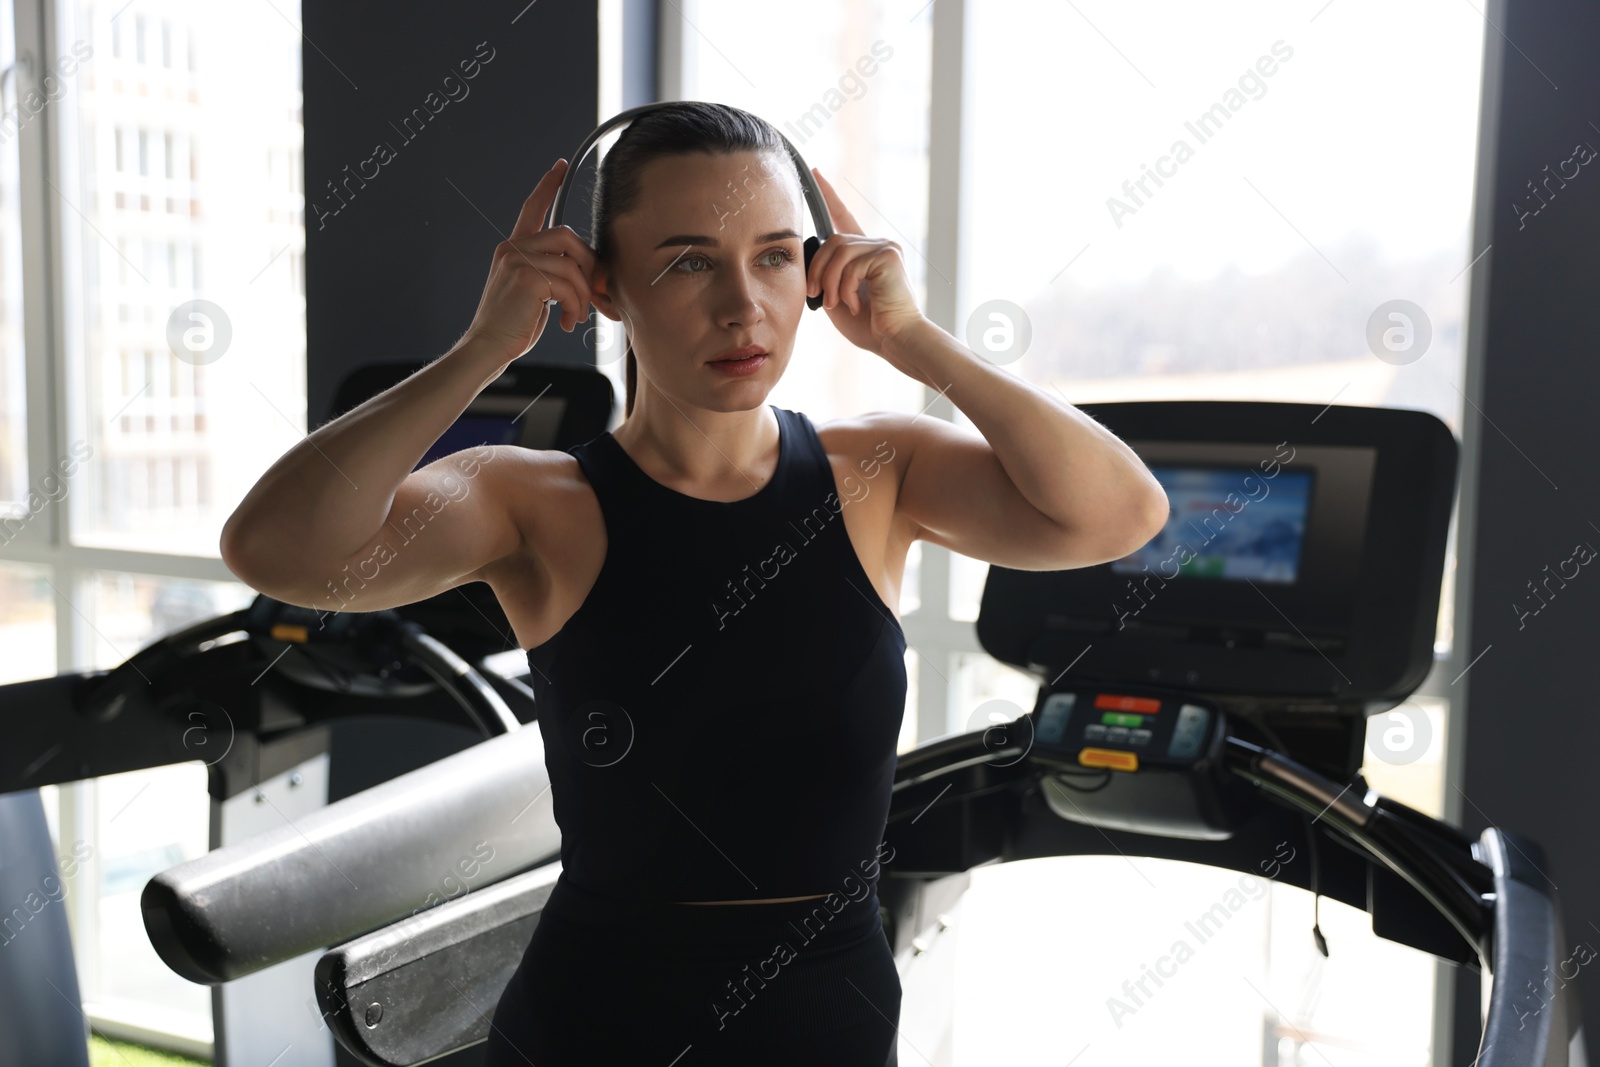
(290, 632)
(1143, 705)
(1107, 757)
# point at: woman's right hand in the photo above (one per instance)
(531, 266)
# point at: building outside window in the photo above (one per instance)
(176, 176)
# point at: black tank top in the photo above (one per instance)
(720, 715)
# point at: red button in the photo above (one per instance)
(1113, 702)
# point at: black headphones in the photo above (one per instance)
(808, 185)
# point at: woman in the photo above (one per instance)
(706, 593)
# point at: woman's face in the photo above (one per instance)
(710, 258)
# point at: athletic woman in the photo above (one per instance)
(706, 594)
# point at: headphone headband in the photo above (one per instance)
(820, 218)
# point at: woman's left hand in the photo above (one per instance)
(862, 279)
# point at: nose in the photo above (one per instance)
(736, 302)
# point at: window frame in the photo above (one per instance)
(50, 237)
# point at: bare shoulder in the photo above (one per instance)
(549, 499)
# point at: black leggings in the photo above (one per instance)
(696, 985)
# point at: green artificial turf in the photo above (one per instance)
(103, 1053)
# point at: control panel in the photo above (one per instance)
(1124, 731)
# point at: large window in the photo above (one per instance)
(164, 371)
(1183, 202)
(189, 361)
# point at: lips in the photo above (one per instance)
(740, 353)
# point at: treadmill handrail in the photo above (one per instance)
(1399, 844)
(484, 706)
(1518, 1031)
(273, 619)
(110, 693)
(1526, 919)
(357, 864)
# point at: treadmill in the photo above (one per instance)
(281, 705)
(1203, 699)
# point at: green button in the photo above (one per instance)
(1121, 718)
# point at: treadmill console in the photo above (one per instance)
(1139, 760)
(1299, 567)
(1125, 732)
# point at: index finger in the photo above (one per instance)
(530, 219)
(843, 220)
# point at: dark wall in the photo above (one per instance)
(1532, 731)
(415, 171)
(431, 167)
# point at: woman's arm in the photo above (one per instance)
(345, 499)
(1045, 487)
(330, 496)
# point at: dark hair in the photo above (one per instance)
(679, 128)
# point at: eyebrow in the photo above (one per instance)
(711, 242)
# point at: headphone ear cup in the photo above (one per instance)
(811, 246)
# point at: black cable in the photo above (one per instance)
(1316, 888)
(1311, 847)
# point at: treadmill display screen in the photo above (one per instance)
(1227, 523)
(502, 420)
